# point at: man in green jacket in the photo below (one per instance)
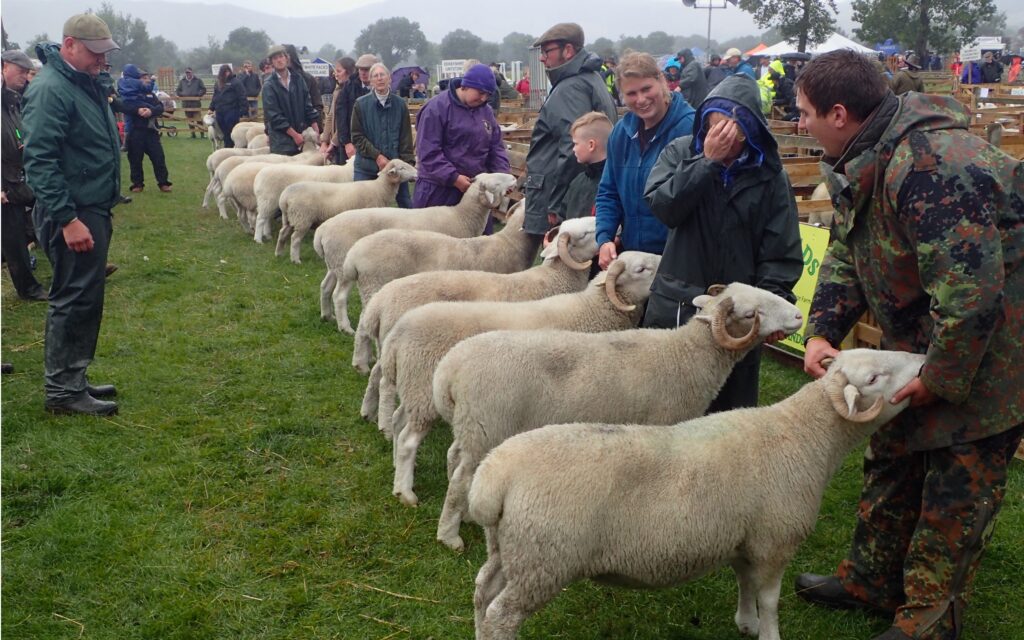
(72, 162)
(928, 236)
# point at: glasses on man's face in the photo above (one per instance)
(544, 53)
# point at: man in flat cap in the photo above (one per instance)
(16, 196)
(576, 88)
(355, 87)
(73, 162)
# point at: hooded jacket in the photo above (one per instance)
(907, 80)
(13, 171)
(452, 139)
(692, 81)
(136, 95)
(929, 235)
(72, 149)
(576, 88)
(736, 224)
(620, 194)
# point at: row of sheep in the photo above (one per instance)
(455, 316)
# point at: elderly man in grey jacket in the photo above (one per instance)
(576, 88)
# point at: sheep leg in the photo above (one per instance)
(456, 503)
(243, 219)
(208, 194)
(746, 611)
(406, 445)
(489, 581)
(398, 422)
(372, 396)
(297, 236)
(222, 205)
(510, 608)
(386, 406)
(326, 289)
(768, 579)
(282, 237)
(340, 299)
(362, 349)
(454, 456)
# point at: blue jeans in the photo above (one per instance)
(403, 199)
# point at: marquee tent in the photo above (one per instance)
(833, 43)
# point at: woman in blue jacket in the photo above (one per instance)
(657, 116)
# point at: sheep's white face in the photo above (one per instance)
(494, 187)
(634, 284)
(400, 171)
(582, 234)
(208, 120)
(774, 313)
(310, 137)
(873, 374)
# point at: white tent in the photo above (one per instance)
(832, 43)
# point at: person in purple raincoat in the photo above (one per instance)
(457, 137)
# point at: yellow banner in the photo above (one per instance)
(815, 241)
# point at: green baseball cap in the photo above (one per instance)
(92, 31)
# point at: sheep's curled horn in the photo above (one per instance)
(849, 411)
(563, 253)
(720, 333)
(614, 271)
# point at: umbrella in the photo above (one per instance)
(398, 74)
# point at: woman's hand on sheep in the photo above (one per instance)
(606, 254)
(462, 183)
(816, 350)
(918, 393)
(326, 148)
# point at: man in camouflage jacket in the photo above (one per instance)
(929, 236)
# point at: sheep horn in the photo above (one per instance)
(563, 253)
(716, 289)
(835, 394)
(614, 271)
(722, 336)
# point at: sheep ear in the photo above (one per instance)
(827, 362)
(851, 394)
(701, 301)
(492, 199)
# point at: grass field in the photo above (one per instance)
(239, 495)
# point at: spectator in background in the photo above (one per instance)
(523, 86)
(656, 117)
(457, 138)
(191, 86)
(265, 69)
(671, 73)
(971, 73)
(344, 68)
(16, 196)
(229, 102)
(252, 84)
(692, 82)
(908, 78)
(734, 62)
(312, 87)
(956, 66)
(991, 69)
(504, 88)
(716, 72)
(356, 87)
(608, 76)
(141, 108)
(36, 66)
(406, 84)
(287, 106)
(1013, 76)
(762, 66)
(382, 131)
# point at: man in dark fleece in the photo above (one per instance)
(727, 202)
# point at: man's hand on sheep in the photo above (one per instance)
(817, 349)
(606, 254)
(381, 161)
(918, 393)
(296, 137)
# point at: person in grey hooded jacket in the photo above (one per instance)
(693, 84)
(576, 88)
(727, 202)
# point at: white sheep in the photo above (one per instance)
(272, 181)
(565, 269)
(649, 376)
(239, 185)
(252, 132)
(215, 159)
(387, 255)
(213, 131)
(308, 204)
(240, 133)
(262, 141)
(821, 218)
(655, 506)
(335, 238)
(422, 336)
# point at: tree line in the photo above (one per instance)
(924, 25)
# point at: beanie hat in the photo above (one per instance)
(480, 77)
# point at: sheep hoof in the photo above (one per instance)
(408, 498)
(297, 261)
(362, 368)
(748, 627)
(349, 330)
(455, 544)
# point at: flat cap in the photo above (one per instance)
(19, 58)
(733, 52)
(366, 61)
(91, 31)
(276, 49)
(564, 32)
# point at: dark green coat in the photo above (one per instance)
(72, 150)
(284, 108)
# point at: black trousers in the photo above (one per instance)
(143, 140)
(76, 302)
(14, 243)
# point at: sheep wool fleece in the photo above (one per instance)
(929, 236)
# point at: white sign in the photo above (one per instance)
(215, 69)
(452, 68)
(970, 54)
(317, 69)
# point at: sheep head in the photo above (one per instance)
(576, 237)
(755, 312)
(310, 139)
(860, 377)
(491, 188)
(398, 171)
(629, 277)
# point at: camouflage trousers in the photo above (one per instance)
(924, 520)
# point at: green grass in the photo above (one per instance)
(239, 495)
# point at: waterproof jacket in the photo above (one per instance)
(230, 97)
(576, 88)
(381, 130)
(692, 82)
(284, 108)
(745, 230)
(929, 236)
(13, 171)
(136, 95)
(193, 87)
(72, 149)
(991, 72)
(454, 139)
(745, 69)
(352, 91)
(251, 82)
(907, 80)
(582, 192)
(620, 196)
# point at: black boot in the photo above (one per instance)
(101, 390)
(828, 591)
(84, 404)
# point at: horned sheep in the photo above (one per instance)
(655, 506)
(648, 376)
(422, 336)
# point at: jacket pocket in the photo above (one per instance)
(534, 181)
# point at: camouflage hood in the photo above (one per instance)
(855, 179)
